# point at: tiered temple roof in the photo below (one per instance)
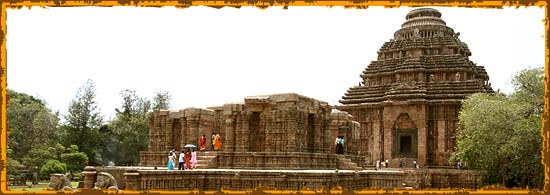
(426, 61)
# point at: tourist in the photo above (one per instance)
(339, 144)
(202, 143)
(414, 164)
(187, 158)
(217, 142)
(180, 160)
(377, 165)
(193, 159)
(336, 149)
(387, 163)
(213, 140)
(171, 161)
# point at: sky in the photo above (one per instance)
(208, 57)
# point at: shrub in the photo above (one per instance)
(51, 167)
(12, 166)
(77, 176)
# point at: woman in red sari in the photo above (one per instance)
(187, 159)
(202, 143)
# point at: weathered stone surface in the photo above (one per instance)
(59, 182)
(105, 181)
(239, 179)
(410, 96)
(175, 129)
(278, 124)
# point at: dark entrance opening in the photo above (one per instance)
(311, 133)
(256, 134)
(176, 137)
(405, 145)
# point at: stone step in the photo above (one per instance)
(346, 163)
(203, 161)
(206, 157)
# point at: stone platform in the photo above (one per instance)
(148, 178)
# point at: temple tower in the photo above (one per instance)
(408, 101)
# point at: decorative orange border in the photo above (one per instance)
(361, 4)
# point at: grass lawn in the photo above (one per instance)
(38, 187)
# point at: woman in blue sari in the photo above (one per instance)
(171, 159)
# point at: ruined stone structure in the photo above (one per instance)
(409, 100)
(130, 178)
(281, 131)
(174, 129)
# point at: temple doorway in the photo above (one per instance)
(405, 137)
(257, 137)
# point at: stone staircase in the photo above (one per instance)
(346, 164)
(206, 159)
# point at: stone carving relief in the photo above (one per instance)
(59, 182)
(105, 181)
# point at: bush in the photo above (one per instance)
(51, 167)
(77, 177)
(12, 166)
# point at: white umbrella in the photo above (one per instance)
(189, 146)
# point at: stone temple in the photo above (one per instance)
(410, 97)
(405, 109)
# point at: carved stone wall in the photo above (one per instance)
(130, 178)
(279, 124)
(276, 123)
(175, 129)
(423, 73)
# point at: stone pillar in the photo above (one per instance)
(229, 134)
(152, 132)
(131, 177)
(243, 139)
(194, 124)
(317, 133)
(440, 142)
(89, 177)
(422, 149)
(390, 115)
(168, 129)
(327, 139)
(290, 123)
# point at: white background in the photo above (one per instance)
(207, 57)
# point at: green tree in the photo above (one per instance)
(36, 158)
(75, 160)
(131, 128)
(31, 124)
(82, 123)
(161, 100)
(51, 167)
(500, 134)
